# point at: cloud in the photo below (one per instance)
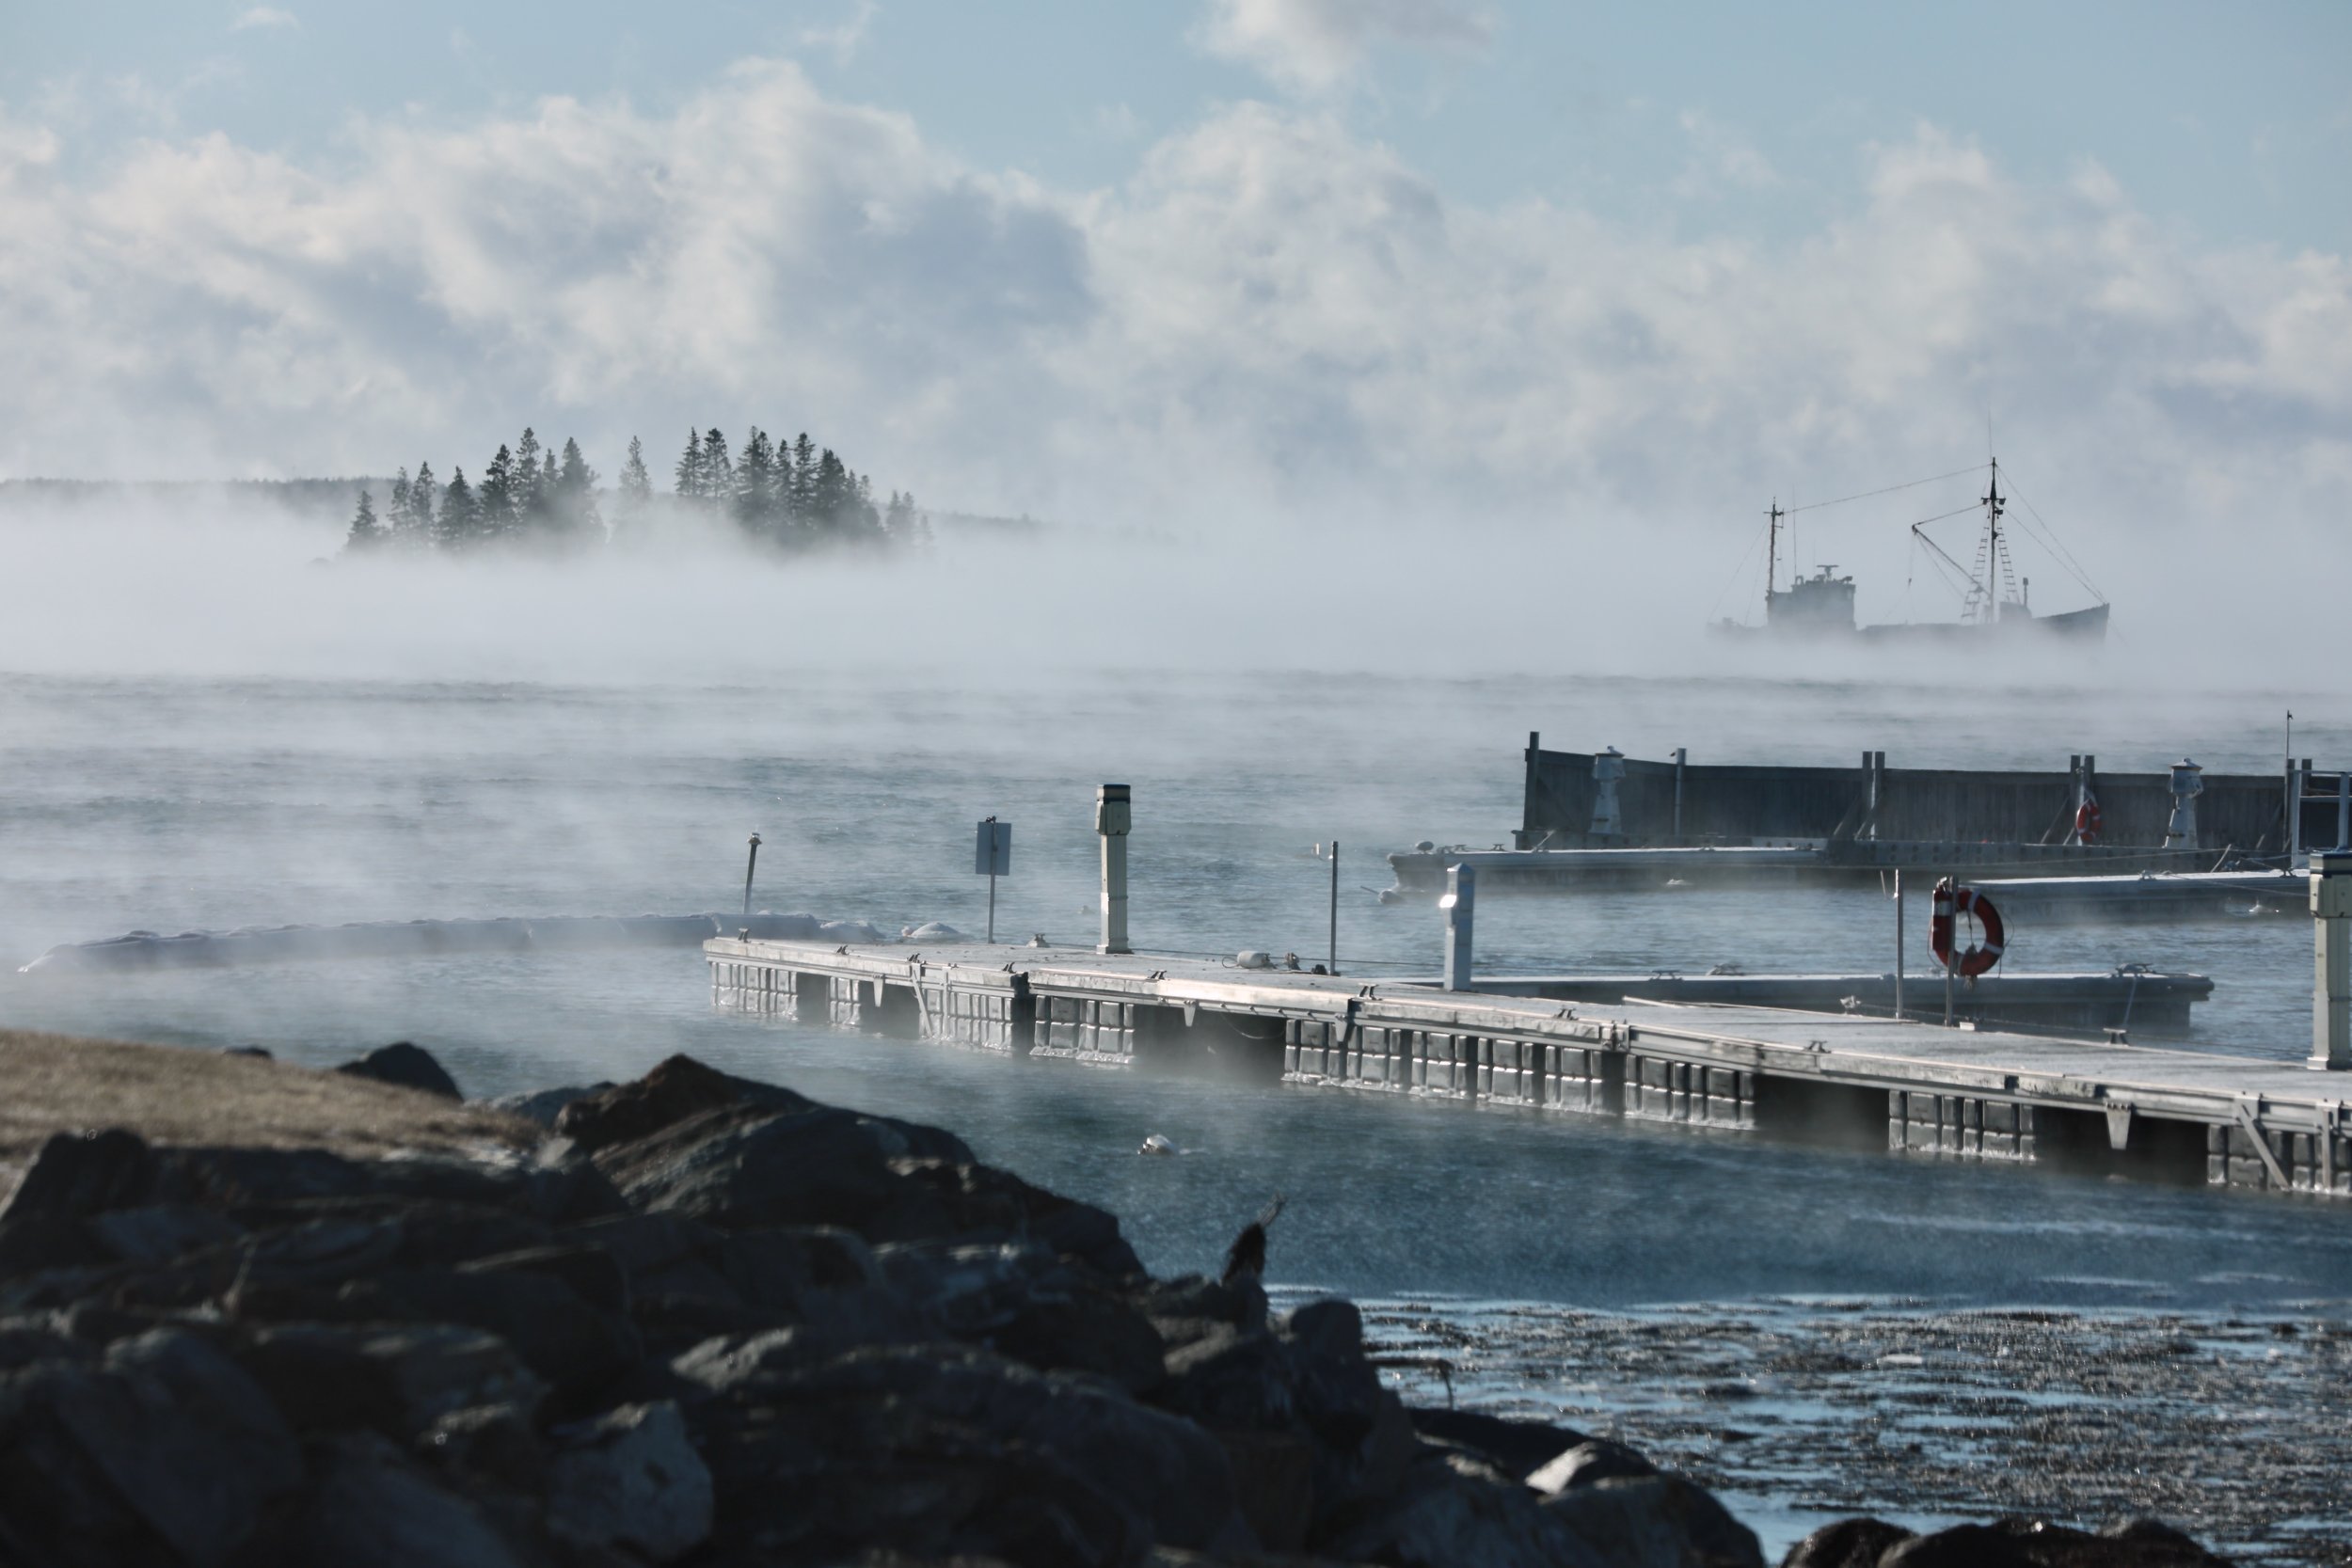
(1318, 44)
(263, 16)
(844, 39)
(1272, 324)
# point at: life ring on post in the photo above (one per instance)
(2088, 819)
(1951, 903)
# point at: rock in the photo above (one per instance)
(542, 1106)
(1655, 1521)
(631, 1477)
(576, 1347)
(1024, 1301)
(77, 1175)
(1595, 1459)
(409, 1066)
(814, 1167)
(256, 1051)
(2015, 1541)
(674, 1090)
(1847, 1543)
(398, 1379)
(496, 1443)
(159, 1233)
(592, 1273)
(166, 1452)
(1518, 1448)
(1274, 1483)
(371, 1507)
(931, 930)
(28, 1341)
(1961, 1546)
(1454, 1512)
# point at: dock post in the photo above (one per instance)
(1946, 894)
(1460, 904)
(1608, 769)
(1682, 755)
(2332, 955)
(1114, 814)
(1335, 906)
(1899, 942)
(2187, 783)
(748, 866)
(2344, 810)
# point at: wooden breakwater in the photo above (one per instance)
(1682, 802)
(1957, 1093)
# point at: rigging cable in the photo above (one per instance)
(1738, 571)
(1866, 495)
(2048, 537)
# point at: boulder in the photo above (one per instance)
(592, 1273)
(631, 1478)
(1518, 1448)
(1453, 1511)
(159, 1233)
(1655, 1521)
(1595, 1459)
(492, 1443)
(397, 1379)
(165, 1452)
(1847, 1543)
(408, 1066)
(1024, 1301)
(577, 1347)
(2017, 1539)
(740, 1170)
(75, 1174)
(372, 1507)
(674, 1090)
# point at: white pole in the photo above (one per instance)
(1113, 814)
(1899, 942)
(1460, 904)
(2331, 961)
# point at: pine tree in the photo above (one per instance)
(366, 535)
(494, 506)
(801, 497)
(529, 496)
(575, 487)
(832, 494)
(459, 525)
(899, 519)
(396, 515)
(689, 466)
(414, 531)
(636, 483)
(756, 492)
(718, 482)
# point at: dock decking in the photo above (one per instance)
(2168, 1115)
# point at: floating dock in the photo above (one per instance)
(2174, 895)
(1959, 1093)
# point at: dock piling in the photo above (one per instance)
(1335, 906)
(1460, 904)
(2331, 956)
(1114, 814)
(1899, 942)
(748, 866)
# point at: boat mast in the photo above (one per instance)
(1992, 502)
(1772, 555)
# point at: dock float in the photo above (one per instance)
(1961, 1093)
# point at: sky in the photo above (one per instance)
(1196, 264)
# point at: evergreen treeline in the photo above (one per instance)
(792, 496)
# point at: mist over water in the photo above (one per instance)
(185, 749)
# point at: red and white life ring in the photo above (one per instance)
(1950, 903)
(2088, 819)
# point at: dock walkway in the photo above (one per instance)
(2170, 1114)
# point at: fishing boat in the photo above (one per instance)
(1995, 602)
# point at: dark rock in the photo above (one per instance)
(159, 1233)
(861, 1418)
(1274, 1484)
(631, 1478)
(1655, 1522)
(1847, 1543)
(372, 1507)
(41, 1242)
(577, 1347)
(253, 1051)
(814, 1167)
(1026, 1302)
(1190, 1307)
(1452, 1511)
(675, 1090)
(1518, 1448)
(235, 1178)
(1595, 1459)
(1961, 1546)
(592, 1273)
(398, 1379)
(168, 1453)
(496, 1443)
(28, 1341)
(409, 1066)
(77, 1175)
(543, 1106)
(1230, 1380)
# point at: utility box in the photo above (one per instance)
(993, 855)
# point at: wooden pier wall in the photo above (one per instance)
(2174, 1116)
(1736, 802)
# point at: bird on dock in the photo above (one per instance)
(1246, 1257)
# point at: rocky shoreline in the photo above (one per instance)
(700, 1319)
